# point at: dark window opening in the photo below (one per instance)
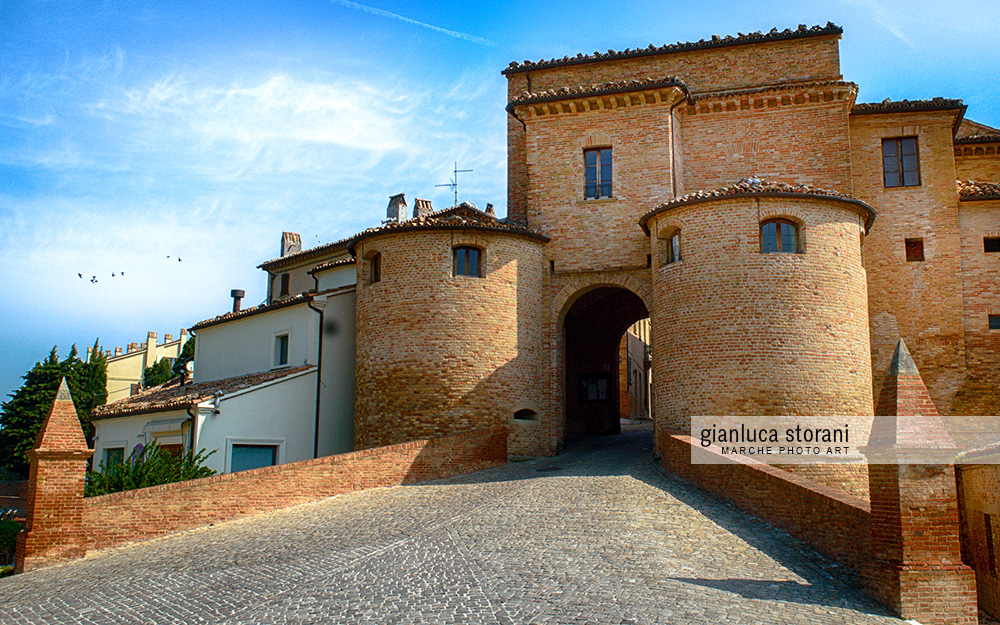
(285, 280)
(672, 248)
(594, 388)
(777, 236)
(597, 173)
(467, 261)
(246, 457)
(281, 350)
(900, 162)
(914, 250)
(526, 414)
(375, 269)
(113, 456)
(994, 321)
(991, 244)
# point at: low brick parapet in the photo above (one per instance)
(121, 518)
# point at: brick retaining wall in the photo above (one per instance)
(120, 518)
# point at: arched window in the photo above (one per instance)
(779, 236)
(670, 251)
(375, 269)
(468, 261)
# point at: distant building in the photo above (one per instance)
(126, 367)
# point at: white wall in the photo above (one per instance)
(337, 277)
(337, 394)
(246, 345)
(127, 432)
(282, 412)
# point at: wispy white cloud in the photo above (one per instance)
(396, 16)
(890, 20)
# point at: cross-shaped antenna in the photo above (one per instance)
(454, 181)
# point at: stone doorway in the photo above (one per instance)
(593, 329)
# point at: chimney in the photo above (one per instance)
(239, 294)
(132, 347)
(421, 208)
(397, 208)
(167, 338)
(291, 243)
(118, 351)
(490, 211)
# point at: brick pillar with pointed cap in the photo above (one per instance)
(916, 553)
(54, 529)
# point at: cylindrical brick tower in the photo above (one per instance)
(761, 304)
(450, 329)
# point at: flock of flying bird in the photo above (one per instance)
(94, 280)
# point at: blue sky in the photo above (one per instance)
(131, 132)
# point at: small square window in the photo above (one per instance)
(914, 250)
(777, 236)
(281, 350)
(467, 261)
(991, 244)
(113, 456)
(900, 162)
(994, 322)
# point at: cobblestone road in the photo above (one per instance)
(596, 535)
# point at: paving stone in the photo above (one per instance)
(607, 538)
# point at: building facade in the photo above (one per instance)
(779, 237)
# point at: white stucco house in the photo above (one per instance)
(271, 384)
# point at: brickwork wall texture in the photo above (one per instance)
(979, 499)
(597, 234)
(973, 162)
(730, 138)
(979, 393)
(761, 330)
(439, 353)
(908, 299)
(810, 59)
(120, 518)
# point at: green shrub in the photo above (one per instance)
(6, 571)
(8, 542)
(149, 467)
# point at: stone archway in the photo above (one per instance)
(589, 317)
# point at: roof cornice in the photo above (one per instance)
(716, 41)
(759, 188)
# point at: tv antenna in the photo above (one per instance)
(454, 181)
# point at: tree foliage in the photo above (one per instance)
(186, 356)
(22, 416)
(148, 467)
(159, 373)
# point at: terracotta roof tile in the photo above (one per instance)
(971, 190)
(173, 396)
(757, 187)
(463, 216)
(889, 106)
(715, 42)
(333, 263)
(314, 252)
(978, 139)
(256, 310)
(582, 91)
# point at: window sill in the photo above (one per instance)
(673, 264)
(597, 200)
